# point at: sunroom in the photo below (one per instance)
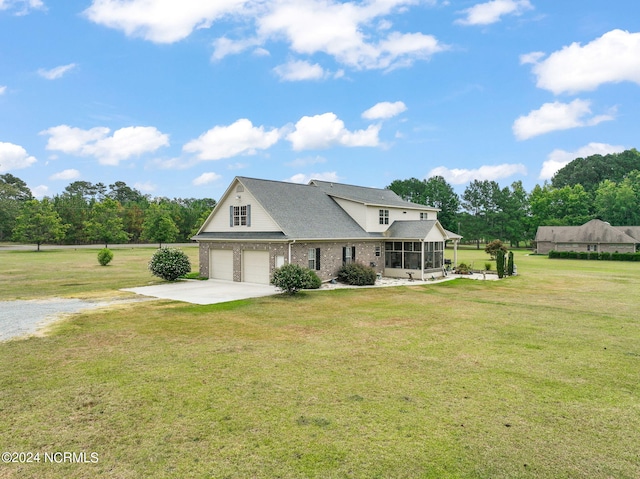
(414, 249)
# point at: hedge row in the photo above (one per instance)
(594, 255)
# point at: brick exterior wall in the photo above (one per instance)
(330, 255)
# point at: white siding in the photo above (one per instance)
(357, 211)
(395, 214)
(260, 220)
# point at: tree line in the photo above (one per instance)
(95, 213)
(604, 187)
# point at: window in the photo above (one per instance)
(378, 250)
(424, 216)
(348, 254)
(240, 215)
(314, 259)
(384, 217)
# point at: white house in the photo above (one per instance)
(260, 225)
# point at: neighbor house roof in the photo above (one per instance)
(633, 231)
(594, 231)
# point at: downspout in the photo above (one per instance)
(291, 243)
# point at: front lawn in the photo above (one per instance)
(534, 376)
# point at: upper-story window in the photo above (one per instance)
(240, 215)
(384, 217)
(424, 216)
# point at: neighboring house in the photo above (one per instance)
(260, 225)
(595, 235)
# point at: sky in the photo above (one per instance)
(176, 98)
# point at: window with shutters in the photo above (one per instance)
(314, 259)
(348, 254)
(240, 215)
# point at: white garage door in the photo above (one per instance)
(255, 267)
(221, 264)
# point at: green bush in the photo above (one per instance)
(583, 255)
(291, 278)
(169, 263)
(462, 268)
(105, 255)
(605, 256)
(510, 264)
(500, 263)
(357, 274)
(487, 266)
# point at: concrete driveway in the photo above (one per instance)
(205, 292)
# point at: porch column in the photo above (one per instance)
(455, 252)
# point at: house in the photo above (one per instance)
(595, 235)
(260, 225)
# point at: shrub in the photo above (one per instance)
(169, 264)
(462, 268)
(500, 263)
(583, 255)
(105, 255)
(487, 266)
(291, 278)
(357, 274)
(510, 264)
(605, 256)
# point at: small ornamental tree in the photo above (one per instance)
(500, 263)
(169, 264)
(510, 266)
(291, 278)
(493, 248)
(105, 255)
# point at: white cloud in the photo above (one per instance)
(299, 70)
(612, 58)
(14, 157)
(327, 130)
(70, 174)
(384, 110)
(56, 72)
(490, 12)
(23, 6)
(146, 187)
(109, 150)
(354, 33)
(239, 138)
(558, 159)
(304, 179)
(206, 178)
(458, 176)
(557, 116)
(338, 29)
(161, 21)
(39, 191)
(3, 89)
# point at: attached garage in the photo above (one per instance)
(255, 266)
(221, 264)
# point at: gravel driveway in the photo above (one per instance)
(26, 317)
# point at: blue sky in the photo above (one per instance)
(177, 98)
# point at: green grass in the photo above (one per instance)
(76, 272)
(535, 376)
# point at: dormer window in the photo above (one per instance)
(240, 215)
(384, 217)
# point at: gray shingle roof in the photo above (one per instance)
(370, 196)
(303, 211)
(410, 229)
(594, 231)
